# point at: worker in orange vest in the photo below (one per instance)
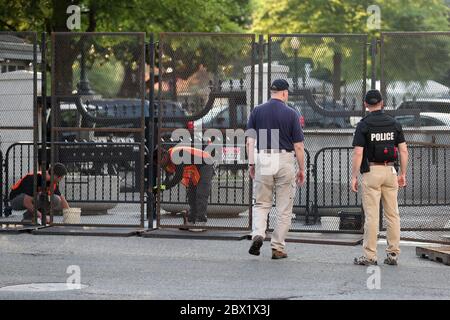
(196, 175)
(21, 196)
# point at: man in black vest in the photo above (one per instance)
(377, 142)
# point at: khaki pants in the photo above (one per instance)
(276, 169)
(380, 183)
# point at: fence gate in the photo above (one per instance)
(415, 76)
(206, 93)
(327, 77)
(19, 52)
(97, 114)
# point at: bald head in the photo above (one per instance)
(280, 95)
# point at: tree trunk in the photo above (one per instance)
(131, 84)
(337, 71)
(64, 54)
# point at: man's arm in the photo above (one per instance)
(64, 203)
(356, 165)
(251, 155)
(403, 164)
(299, 148)
(172, 180)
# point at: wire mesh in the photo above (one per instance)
(20, 79)
(206, 91)
(98, 99)
(332, 68)
(415, 71)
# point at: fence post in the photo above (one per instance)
(43, 162)
(373, 57)
(1, 183)
(151, 209)
(35, 130)
(260, 68)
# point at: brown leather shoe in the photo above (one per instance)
(256, 246)
(277, 254)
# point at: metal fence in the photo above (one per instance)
(423, 203)
(206, 86)
(414, 70)
(102, 121)
(98, 97)
(327, 74)
(21, 57)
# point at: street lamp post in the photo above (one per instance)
(84, 87)
(295, 45)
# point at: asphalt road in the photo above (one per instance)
(140, 268)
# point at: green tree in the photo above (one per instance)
(350, 16)
(122, 15)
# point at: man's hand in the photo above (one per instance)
(354, 184)
(300, 177)
(401, 180)
(252, 172)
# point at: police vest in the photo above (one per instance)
(381, 134)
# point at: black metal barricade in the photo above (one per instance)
(206, 92)
(21, 56)
(98, 96)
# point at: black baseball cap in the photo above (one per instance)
(279, 85)
(373, 97)
(59, 170)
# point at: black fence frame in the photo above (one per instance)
(312, 205)
(212, 96)
(140, 130)
(34, 128)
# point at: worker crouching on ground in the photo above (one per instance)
(194, 169)
(22, 195)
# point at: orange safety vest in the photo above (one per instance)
(18, 183)
(191, 175)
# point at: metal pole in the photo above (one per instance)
(142, 146)
(159, 120)
(35, 128)
(295, 69)
(373, 57)
(150, 137)
(1, 184)
(84, 87)
(382, 78)
(269, 65)
(53, 121)
(43, 163)
(260, 68)
(252, 105)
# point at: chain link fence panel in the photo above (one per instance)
(206, 90)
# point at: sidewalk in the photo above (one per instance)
(139, 268)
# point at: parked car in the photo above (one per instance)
(426, 105)
(427, 119)
(220, 118)
(312, 119)
(115, 113)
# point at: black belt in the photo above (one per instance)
(274, 151)
(381, 163)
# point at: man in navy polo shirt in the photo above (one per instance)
(276, 129)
